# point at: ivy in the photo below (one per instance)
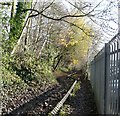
(16, 24)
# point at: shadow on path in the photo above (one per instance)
(45, 102)
(83, 104)
(32, 103)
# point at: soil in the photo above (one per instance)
(82, 103)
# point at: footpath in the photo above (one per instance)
(81, 104)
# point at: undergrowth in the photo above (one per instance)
(75, 89)
(65, 110)
(21, 73)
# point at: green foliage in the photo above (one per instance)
(65, 69)
(4, 18)
(65, 110)
(75, 89)
(76, 44)
(16, 24)
(28, 68)
(10, 79)
(25, 69)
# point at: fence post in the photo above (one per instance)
(105, 76)
(119, 72)
(119, 58)
(119, 87)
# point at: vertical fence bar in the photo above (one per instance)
(111, 79)
(105, 73)
(116, 78)
(119, 73)
(107, 94)
(113, 87)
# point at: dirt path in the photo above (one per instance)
(83, 103)
(44, 103)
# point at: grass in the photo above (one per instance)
(65, 110)
(13, 86)
(75, 89)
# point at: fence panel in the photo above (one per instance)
(105, 77)
(97, 79)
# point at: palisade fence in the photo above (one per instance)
(105, 77)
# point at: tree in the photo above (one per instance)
(48, 15)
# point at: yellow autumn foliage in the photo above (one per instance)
(75, 62)
(77, 41)
(83, 41)
(72, 42)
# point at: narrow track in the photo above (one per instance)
(60, 104)
(50, 101)
(44, 103)
(83, 103)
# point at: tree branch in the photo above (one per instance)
(72, 24)
(38, 12)
(66, 16)
(63, 17)
(82, 11)
(57, 19)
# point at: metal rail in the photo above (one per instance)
(60, 104)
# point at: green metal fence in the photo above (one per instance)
(105, 77)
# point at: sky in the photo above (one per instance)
(113, 14)
(109, 28)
